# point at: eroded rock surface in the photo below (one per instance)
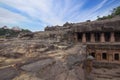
(40, 60)
(8, 73)
(35, 60)
(38, 65)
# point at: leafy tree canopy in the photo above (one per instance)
(11, 33)
(115, 12)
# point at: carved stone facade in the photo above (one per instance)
(95, 33)
(105, 52)
(97, 37)
(102, 45)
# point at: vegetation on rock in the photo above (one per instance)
(10, 32)
(115, 12)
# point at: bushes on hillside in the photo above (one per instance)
(115, 12)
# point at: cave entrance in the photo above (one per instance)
(79, 36)
(116, 56)
(88, 37)
(117, 36)
(104, 56)
(107, 36)
(92, 54)
(97, 37)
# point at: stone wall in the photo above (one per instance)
(105, 52)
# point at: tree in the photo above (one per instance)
(12, 33)
(116, 11)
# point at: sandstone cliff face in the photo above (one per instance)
(102, 25)
(65, 32)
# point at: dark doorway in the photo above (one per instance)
(92, 54)
(104, 56)
(117, 36)
(116, 56)
(97, 37)
(79, 36)
(107, 36)
(88, 37)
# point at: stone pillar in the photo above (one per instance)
(102, 37)
(88, 68)
(92, 37)
(112, 37)
(83, 38)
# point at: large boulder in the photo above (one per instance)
(27, 35)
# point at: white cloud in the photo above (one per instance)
(50, 12)
(9, 17)
(45, 9)
(87, 14)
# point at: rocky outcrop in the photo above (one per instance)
(39, 61)
(26, 35)
(66, 32)
(66, 27)
(102, 25)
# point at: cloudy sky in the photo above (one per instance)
(37, 14)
